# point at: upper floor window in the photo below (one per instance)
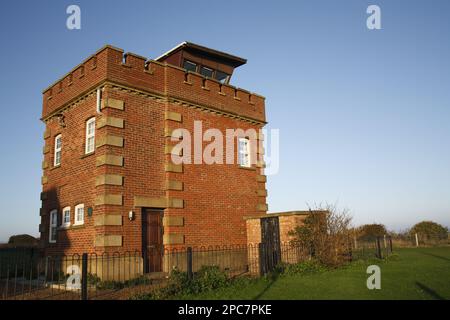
(57, 155)
(244, 152)
(79, 214)
(222, 76)
(90, 136)
(190, 66)
(207, 72)
(66, 217)
(52, 226)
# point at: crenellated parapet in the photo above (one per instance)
(111, 64)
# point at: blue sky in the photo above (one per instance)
(364, 115)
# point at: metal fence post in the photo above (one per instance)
(379, 249)
(145, 265)
(390, 243)
(84, 269)
(189, 262)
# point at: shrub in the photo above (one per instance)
(205, 279)
(326, 233)
(370, 232)
(208, 278)
(96, 281)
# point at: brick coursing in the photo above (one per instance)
(213, 198)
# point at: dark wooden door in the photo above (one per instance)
(152, 232)
(270, 237)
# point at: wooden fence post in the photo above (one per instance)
(379, 249)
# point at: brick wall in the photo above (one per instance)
(203, 204)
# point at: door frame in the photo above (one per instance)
(144, 214)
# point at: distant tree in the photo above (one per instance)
(370, 232)
(400, 235)
(22, 240)
(430, 230)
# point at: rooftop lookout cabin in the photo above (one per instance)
(208, 62)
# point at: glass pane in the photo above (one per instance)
(66, 216)
(190, 66)
(91, 127)
(221, 76)
(90, 144)
(53, 233)
(207, 72)
(53, 218)
(80, 214)
(244, 157)
(58, 142)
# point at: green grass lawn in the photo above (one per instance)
(413, 273)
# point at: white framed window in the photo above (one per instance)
(65, 217)
(58, 147)
(90, 136)
(79, 214)
(190, 66)
(52, 226)
(207, 72)
(244, 152)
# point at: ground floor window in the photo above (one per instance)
(53, 226)
(65, 217)
(79, 214)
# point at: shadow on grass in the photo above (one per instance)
(273, 279)
(429, 291)
(435, 255)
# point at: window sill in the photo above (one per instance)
(55, 167)
(64, 227)
(76, 226)
(87, 155)
(247, 168)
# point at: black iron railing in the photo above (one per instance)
(27, 274)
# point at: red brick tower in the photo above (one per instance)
(109, 183)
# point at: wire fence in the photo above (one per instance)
(420, 240)
(26, 274)
(379, 247)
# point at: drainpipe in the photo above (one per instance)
(99, 100)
